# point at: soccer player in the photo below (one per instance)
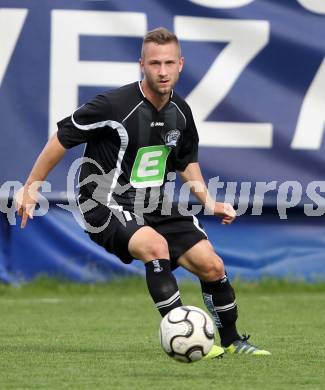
(135, 136)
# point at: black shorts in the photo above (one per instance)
(116, 227)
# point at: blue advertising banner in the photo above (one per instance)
(253, 248)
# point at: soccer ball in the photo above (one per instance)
(186, 333)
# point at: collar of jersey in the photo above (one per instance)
(144, 97)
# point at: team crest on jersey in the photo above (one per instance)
(172, 137)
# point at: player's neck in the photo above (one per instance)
(157, 100)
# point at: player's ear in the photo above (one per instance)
(141, 64)
(180, 64)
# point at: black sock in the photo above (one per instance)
(219, 298)
(162, 286)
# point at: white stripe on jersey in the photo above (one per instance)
(179, 111)
(128, 115)
(139, 84)
(124, 143)
(91, 126)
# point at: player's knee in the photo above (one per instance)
(156, 250)
(159, 250)
(212, 269)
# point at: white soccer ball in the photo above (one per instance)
(187, 333)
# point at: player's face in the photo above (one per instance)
(161, 65)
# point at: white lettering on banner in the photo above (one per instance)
(261, 188)
(6, 189)
(214, 185)
(246, 39)
(11, 24)
(309, 208)
(222, 3)
(317, 6)
(311, 120)
(288, 196)
(67, 72)
(184, 198)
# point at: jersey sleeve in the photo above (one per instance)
(188, 151)
(85, 123)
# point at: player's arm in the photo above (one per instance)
(26, 197)
(72, 131)
(192, 175)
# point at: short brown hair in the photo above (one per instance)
(161, 36)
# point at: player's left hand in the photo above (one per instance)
(225, 211)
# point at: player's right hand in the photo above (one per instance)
(25, 201)
(226, 212)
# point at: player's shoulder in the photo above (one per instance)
(124, 94)
(122, 91)
(122, 100)
(181, 104)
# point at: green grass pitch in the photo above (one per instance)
(70, 336)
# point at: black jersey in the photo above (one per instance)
(130, 143)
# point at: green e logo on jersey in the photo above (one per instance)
(149, 166)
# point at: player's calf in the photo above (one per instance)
(219, 298)
(162, 285)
